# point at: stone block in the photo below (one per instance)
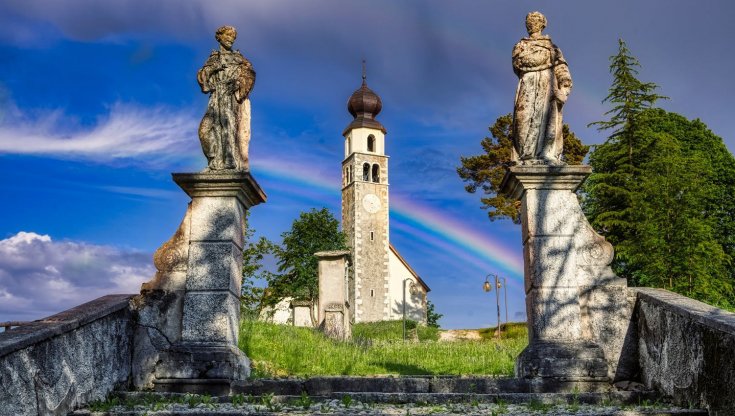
(214, 266)
(217, 219)
(686, 349)
(54, 365)
(196, 361)
(606, 319)
(564, 361)
(211, 317)
(302, 315)
(554, 315)
(550, 262)
(550, 212)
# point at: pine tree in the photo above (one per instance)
(661, 192)
(616, 163)
(486, 171)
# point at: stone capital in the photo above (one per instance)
(332, 254)
(237, 184)
(519, 179)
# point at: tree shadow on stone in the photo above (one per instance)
(405, 369)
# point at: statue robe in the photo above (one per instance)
(537, 118)
(224, 131)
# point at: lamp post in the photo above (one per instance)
(505, 300)
(411, 287)
(487, 288)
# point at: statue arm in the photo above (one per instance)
(517, 51)
(562, 75)
(245, 81)
(205, 72)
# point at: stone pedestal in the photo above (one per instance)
(189, 314)
(334, 307)
(566, 267)
(301, 311)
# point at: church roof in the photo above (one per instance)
(364, 104)
(410, 269)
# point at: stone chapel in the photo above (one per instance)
(379, 277)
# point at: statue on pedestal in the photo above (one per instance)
(225, 129)
(543, 87)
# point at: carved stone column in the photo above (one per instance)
(565, 263)
(189, 314)
(334, 306)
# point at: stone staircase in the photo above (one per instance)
(388, 396)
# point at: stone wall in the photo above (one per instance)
(686, 350)
(56, 364)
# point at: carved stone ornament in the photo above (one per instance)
(543, 87)
(224, 131)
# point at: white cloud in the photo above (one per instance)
(40, 276)
(149, 136)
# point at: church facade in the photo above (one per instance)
(381, 283)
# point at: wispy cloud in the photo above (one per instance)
(140, 135)
(40, 276)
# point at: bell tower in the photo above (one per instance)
(365, 206)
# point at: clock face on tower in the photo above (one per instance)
(371, 203)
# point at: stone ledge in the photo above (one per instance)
(517, 179)
(709, 316)
(22, 337)
(239, 184)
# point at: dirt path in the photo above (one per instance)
(459, 334)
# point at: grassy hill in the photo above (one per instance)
(377, 349)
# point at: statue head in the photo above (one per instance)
(535, 22)
(226, 36)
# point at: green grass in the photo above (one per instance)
(392, 330)
(510, 330)
(281, 350)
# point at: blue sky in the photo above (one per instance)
(99, 104)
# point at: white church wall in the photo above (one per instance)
(279, 314)
(415, 302)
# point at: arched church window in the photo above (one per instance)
(376, 173)
(371, 143)
(366, 172)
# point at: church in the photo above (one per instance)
(382, 285)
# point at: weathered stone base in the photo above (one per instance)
(200, 368)
(551, 364)
(189, 314)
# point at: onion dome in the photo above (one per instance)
(364, 104)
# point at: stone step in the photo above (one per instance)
(372, 403)
(414, 384)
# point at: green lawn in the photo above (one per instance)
(377, 349)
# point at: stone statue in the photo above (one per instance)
(225, 129)
(543, 86)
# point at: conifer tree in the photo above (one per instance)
(486, 171)
(616, 163)
(662, 193)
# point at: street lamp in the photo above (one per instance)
(487, 287)
(505, 300)
(412, 287)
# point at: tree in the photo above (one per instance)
(251, 296)
(432, 317)
(313, 231)
(674, 245)
(616, 162)
(662, 193)
(486, 171)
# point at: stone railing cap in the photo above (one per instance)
(700, 312)
(332, 253)
(69, 320)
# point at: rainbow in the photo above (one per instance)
(409, 217)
